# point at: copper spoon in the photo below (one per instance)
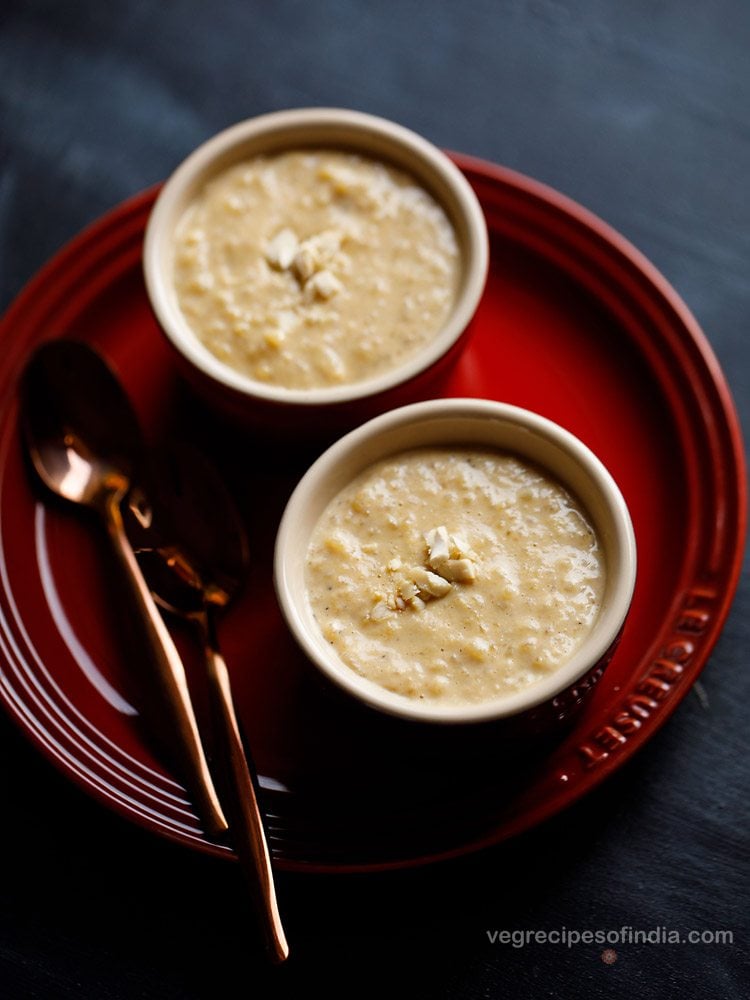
(83, 439)
(194, 567)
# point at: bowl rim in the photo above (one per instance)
(593, 649)
(167, 208)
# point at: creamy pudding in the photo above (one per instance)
(315, 268)
(457, 575)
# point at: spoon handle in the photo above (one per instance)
(249, 836)
(170, 674)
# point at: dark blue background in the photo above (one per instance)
(641, 111)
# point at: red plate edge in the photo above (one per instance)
(695, 339)
(692, 339)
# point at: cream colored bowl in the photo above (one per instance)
(323, 128)
(462, 422)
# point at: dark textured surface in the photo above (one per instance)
(640, 111)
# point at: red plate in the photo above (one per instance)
(574, 324)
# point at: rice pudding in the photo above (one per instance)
(457, 575)
(314, 268)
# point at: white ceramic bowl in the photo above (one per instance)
(463, 422)
(322, 128)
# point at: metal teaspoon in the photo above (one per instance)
(83, 439)
(194, 567)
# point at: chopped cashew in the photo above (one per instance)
(447, 562)
(460, 549)
(380, 612)
(459, 570)
(429, 583)
(322, 285)
(303, 264)
(438, 546)
(408, 590)
(281, 251)
(450, 555)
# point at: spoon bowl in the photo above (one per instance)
(81, 433)
(202, 534)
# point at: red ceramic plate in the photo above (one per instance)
(574, 324)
